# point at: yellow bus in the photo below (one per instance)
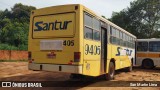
(73, 39)
(148, 53)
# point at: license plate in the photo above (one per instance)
(51, 45)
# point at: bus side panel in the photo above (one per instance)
(91, 68)
(122, 56)
(115, 56)
(91, 58)
(127, 56)
(148, 55)
(109, 56)
(80, 32)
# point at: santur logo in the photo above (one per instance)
(56, 25)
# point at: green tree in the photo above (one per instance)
(22, 12)
(14, 26)
(142, 18)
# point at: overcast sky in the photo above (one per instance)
(101, 7)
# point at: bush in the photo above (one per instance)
(11, 47)
(7, 47)
(23, 47)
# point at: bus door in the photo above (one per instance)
(103, 49)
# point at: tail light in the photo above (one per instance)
(30, 60)
(77, 56)
(71, 62)
(30, 57)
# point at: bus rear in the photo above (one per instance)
(54, 40)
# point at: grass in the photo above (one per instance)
(13, 60)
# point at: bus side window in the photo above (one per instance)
(91, 27)
(87, 20)
(154, 46)
(121, 38)
(96, 29)
(111, 34)
(88, 33)
(142, 46)
(117, 37)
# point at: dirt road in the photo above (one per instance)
(18, 71)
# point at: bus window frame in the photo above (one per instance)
(149, 47)
(93, 29)
(123, 40)
(142, 46)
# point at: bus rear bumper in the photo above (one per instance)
(58, 68)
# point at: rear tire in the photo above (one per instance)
(111, 71)
(147, 64)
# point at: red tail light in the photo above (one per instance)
(71, 62)
(30, 61)
(77, 56)
(29, 56)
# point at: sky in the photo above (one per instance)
(101, 7)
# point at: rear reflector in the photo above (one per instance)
(71, 62)
(77, 56)
(30, 61)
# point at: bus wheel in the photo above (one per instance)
(148, 64)
(111, 71)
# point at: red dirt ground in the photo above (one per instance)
(18, 71)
